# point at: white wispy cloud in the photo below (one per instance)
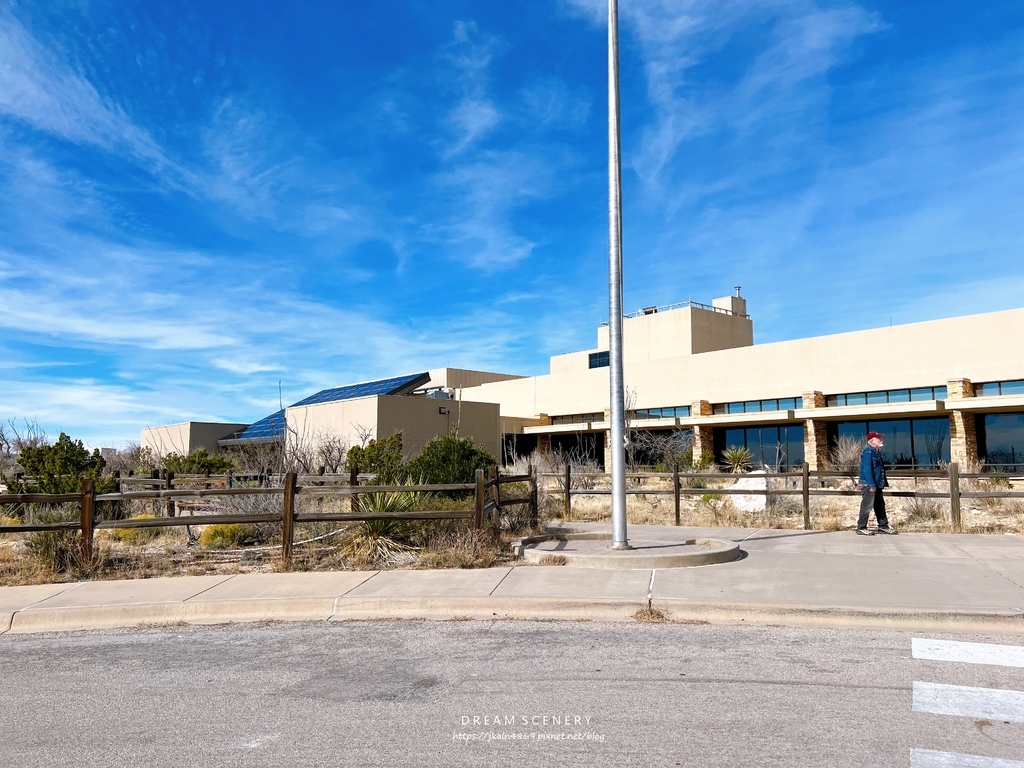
(470, 54)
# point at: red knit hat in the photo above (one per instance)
(875, 436)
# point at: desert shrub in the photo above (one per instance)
(133, 458)
(223, 536)
(844, 455)
(61, 467)
(449, 459)
(198, 462)
(382, 458)
(136, 536)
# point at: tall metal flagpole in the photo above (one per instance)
(617, 390)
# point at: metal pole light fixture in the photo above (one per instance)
(617, 447)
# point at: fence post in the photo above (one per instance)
(675, 490)
(479, 499)
(288, 519)
(168, 485)
(534, 501)
(954, 494)
(496, 475)
(154, 475)
(229, 479)
(353, 481)
(805, 479)
(568, 496)
(88, 518)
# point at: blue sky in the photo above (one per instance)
(199, 200)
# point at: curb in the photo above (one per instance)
(709, 552)
(493, 609)
(914, 619)
(488, 608)
(126, 616)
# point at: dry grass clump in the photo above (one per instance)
(459, 546)
(553, 560)
(650, 616)
(832, 514)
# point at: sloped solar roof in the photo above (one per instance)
(272, 427)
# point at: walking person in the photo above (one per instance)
(871, 482)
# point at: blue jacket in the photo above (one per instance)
(872, 471)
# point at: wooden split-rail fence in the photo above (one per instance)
(695, 484)
(489, 502)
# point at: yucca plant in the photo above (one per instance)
(381, 542)
(737, 458)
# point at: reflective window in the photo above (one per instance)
(577, 418)
(1011, 388)
(1001, 441)
(757, 406)
(909, 443)
(598, 359)
(882, 396)
(772, 447)
(987, 390)
(931, 441)
(899, 448)
(682, 411)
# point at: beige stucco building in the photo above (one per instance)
(420, 406)
(940, 390)
(937, 389)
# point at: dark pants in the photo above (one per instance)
(872, 500)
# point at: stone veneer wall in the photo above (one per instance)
(963, 428)
(815, 434)
(544, 441)
(703, 436)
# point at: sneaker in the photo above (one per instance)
(886, 529)
(865, 532)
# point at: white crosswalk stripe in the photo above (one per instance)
(926, 758)
(969, 653)
(964, 701)
(992, 704)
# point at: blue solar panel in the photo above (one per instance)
(380, 387)
(272, 427)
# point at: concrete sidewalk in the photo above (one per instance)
(935, 582)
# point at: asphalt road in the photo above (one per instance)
(498, 693)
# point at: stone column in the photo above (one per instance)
(703, 437)
(544, 441)
(963, 432)
(815, 434)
